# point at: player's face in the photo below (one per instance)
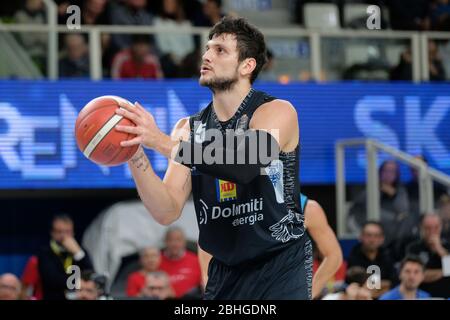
(411, 275)
(219, 70)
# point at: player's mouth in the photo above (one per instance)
(204, 69)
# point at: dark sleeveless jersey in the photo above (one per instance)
(242, 222)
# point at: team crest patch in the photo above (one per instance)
(225, 190)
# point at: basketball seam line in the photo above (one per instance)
(118, 153)
(100, 135)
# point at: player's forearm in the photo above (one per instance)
(153, 192)
(326, 270)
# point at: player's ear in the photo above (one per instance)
(247, 66)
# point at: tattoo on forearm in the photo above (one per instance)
(140, 161)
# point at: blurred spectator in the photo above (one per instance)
(62, 252)
(440, 15)
(403, 71)
(356, 286)
(444, 212)
(9, 287)
(128, 12)
(181, 265)
(412, 273)
(431, 248)
(75, 63)
(150, 259)
(190, 65)
(88, 287)
(413, 188)
(409, 14)
(394, 204)
(137, 61)
(267, 73)
(35, 43)
(94, 12)
(437, 71)
(31, 281)
(211, 13)
(370, 252)
(158, 286)
(173, 47)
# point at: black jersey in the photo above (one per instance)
(242, 222)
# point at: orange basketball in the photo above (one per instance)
(95, 134)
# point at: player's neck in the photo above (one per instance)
(226, 103)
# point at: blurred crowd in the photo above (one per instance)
(401, 256)
(176, 55)
(63, 270)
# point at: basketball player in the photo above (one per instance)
(318, 228)
(249, 213)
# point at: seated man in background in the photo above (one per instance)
(431, 248)
(137, 61)
(88, 287)
(412, 273)
(62, 252)
(181, 265)
(356, 286)
(150, 259)
(444, 213)
(75, 61)
(158, 286)
(9, 287)
(370, 252)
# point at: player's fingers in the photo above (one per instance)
(129, 107)
(139, 107)
(129, 115)
(131, 142)
(128, 129)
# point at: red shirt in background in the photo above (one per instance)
(135, 283)
(124, 66)
(31, 278)
(184, 273)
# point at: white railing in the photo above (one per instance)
(418, 40)
(426, 177)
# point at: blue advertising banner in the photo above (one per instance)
(38, 149)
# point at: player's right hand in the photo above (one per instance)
(146, 131)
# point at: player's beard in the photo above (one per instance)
(220, 84)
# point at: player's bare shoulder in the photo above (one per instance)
(281, 111)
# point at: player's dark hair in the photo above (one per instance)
(250, 41)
